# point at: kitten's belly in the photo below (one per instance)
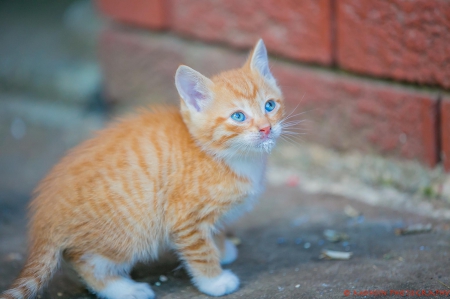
(239, 210)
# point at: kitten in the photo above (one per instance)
(162, 179)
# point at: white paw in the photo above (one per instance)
(230, 253)
(223, 284)
(126, 289)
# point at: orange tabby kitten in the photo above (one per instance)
(165, 178)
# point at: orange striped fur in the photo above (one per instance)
(163, 178)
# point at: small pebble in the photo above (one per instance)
(307, 245)
(59, 294)
(300, 220)
(14, 256)
(351, 211)
(296, 269)
(298, 241)
(345, 243)
(18, 128)
(281, 241)
(297, 286)
(422, 247)
(235, 240)
(321, 242)
(157, 283)
(360, 219)
(280, 289)
(163, 278)
(334, 236)
(293, 181)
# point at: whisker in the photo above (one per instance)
(294, 133)
(298, 121)
(295, 130)
(292, 125)
(288, 141)
(293, 121)
(297, 114)
(293, 110)
(293, 139)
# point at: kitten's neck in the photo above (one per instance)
(251, 167)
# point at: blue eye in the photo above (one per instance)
(270, 105)
(238, 116)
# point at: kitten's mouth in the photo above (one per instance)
(266, 144)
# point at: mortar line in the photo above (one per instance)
(438, 128)
(333, 34)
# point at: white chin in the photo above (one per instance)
(266, 145)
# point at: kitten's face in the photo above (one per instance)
(246, 112)
(237, 112)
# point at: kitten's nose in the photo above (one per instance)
(265, 130)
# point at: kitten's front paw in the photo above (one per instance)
(126, 289)
(229, 254)
(223, 284)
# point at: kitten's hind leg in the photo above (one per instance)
(110, 280)
(228, 251)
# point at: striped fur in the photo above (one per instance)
(162, 178)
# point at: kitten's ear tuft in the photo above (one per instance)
(260, 62)
(193, 87)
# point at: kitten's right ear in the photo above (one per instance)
(259, 61)
(193, 87)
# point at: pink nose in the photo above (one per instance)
(265, 130)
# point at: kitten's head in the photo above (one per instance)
(235, 112)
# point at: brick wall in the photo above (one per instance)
(373, 75)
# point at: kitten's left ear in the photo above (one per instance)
(260, 62)
(193, 87)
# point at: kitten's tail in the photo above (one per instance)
(39, 268)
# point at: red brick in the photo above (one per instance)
(295, 29)
(445, 132)
(404, 40)
(140, 67)
(347, 113)
(365, 115)
(151, 14)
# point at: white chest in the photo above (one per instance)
(254, 170)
